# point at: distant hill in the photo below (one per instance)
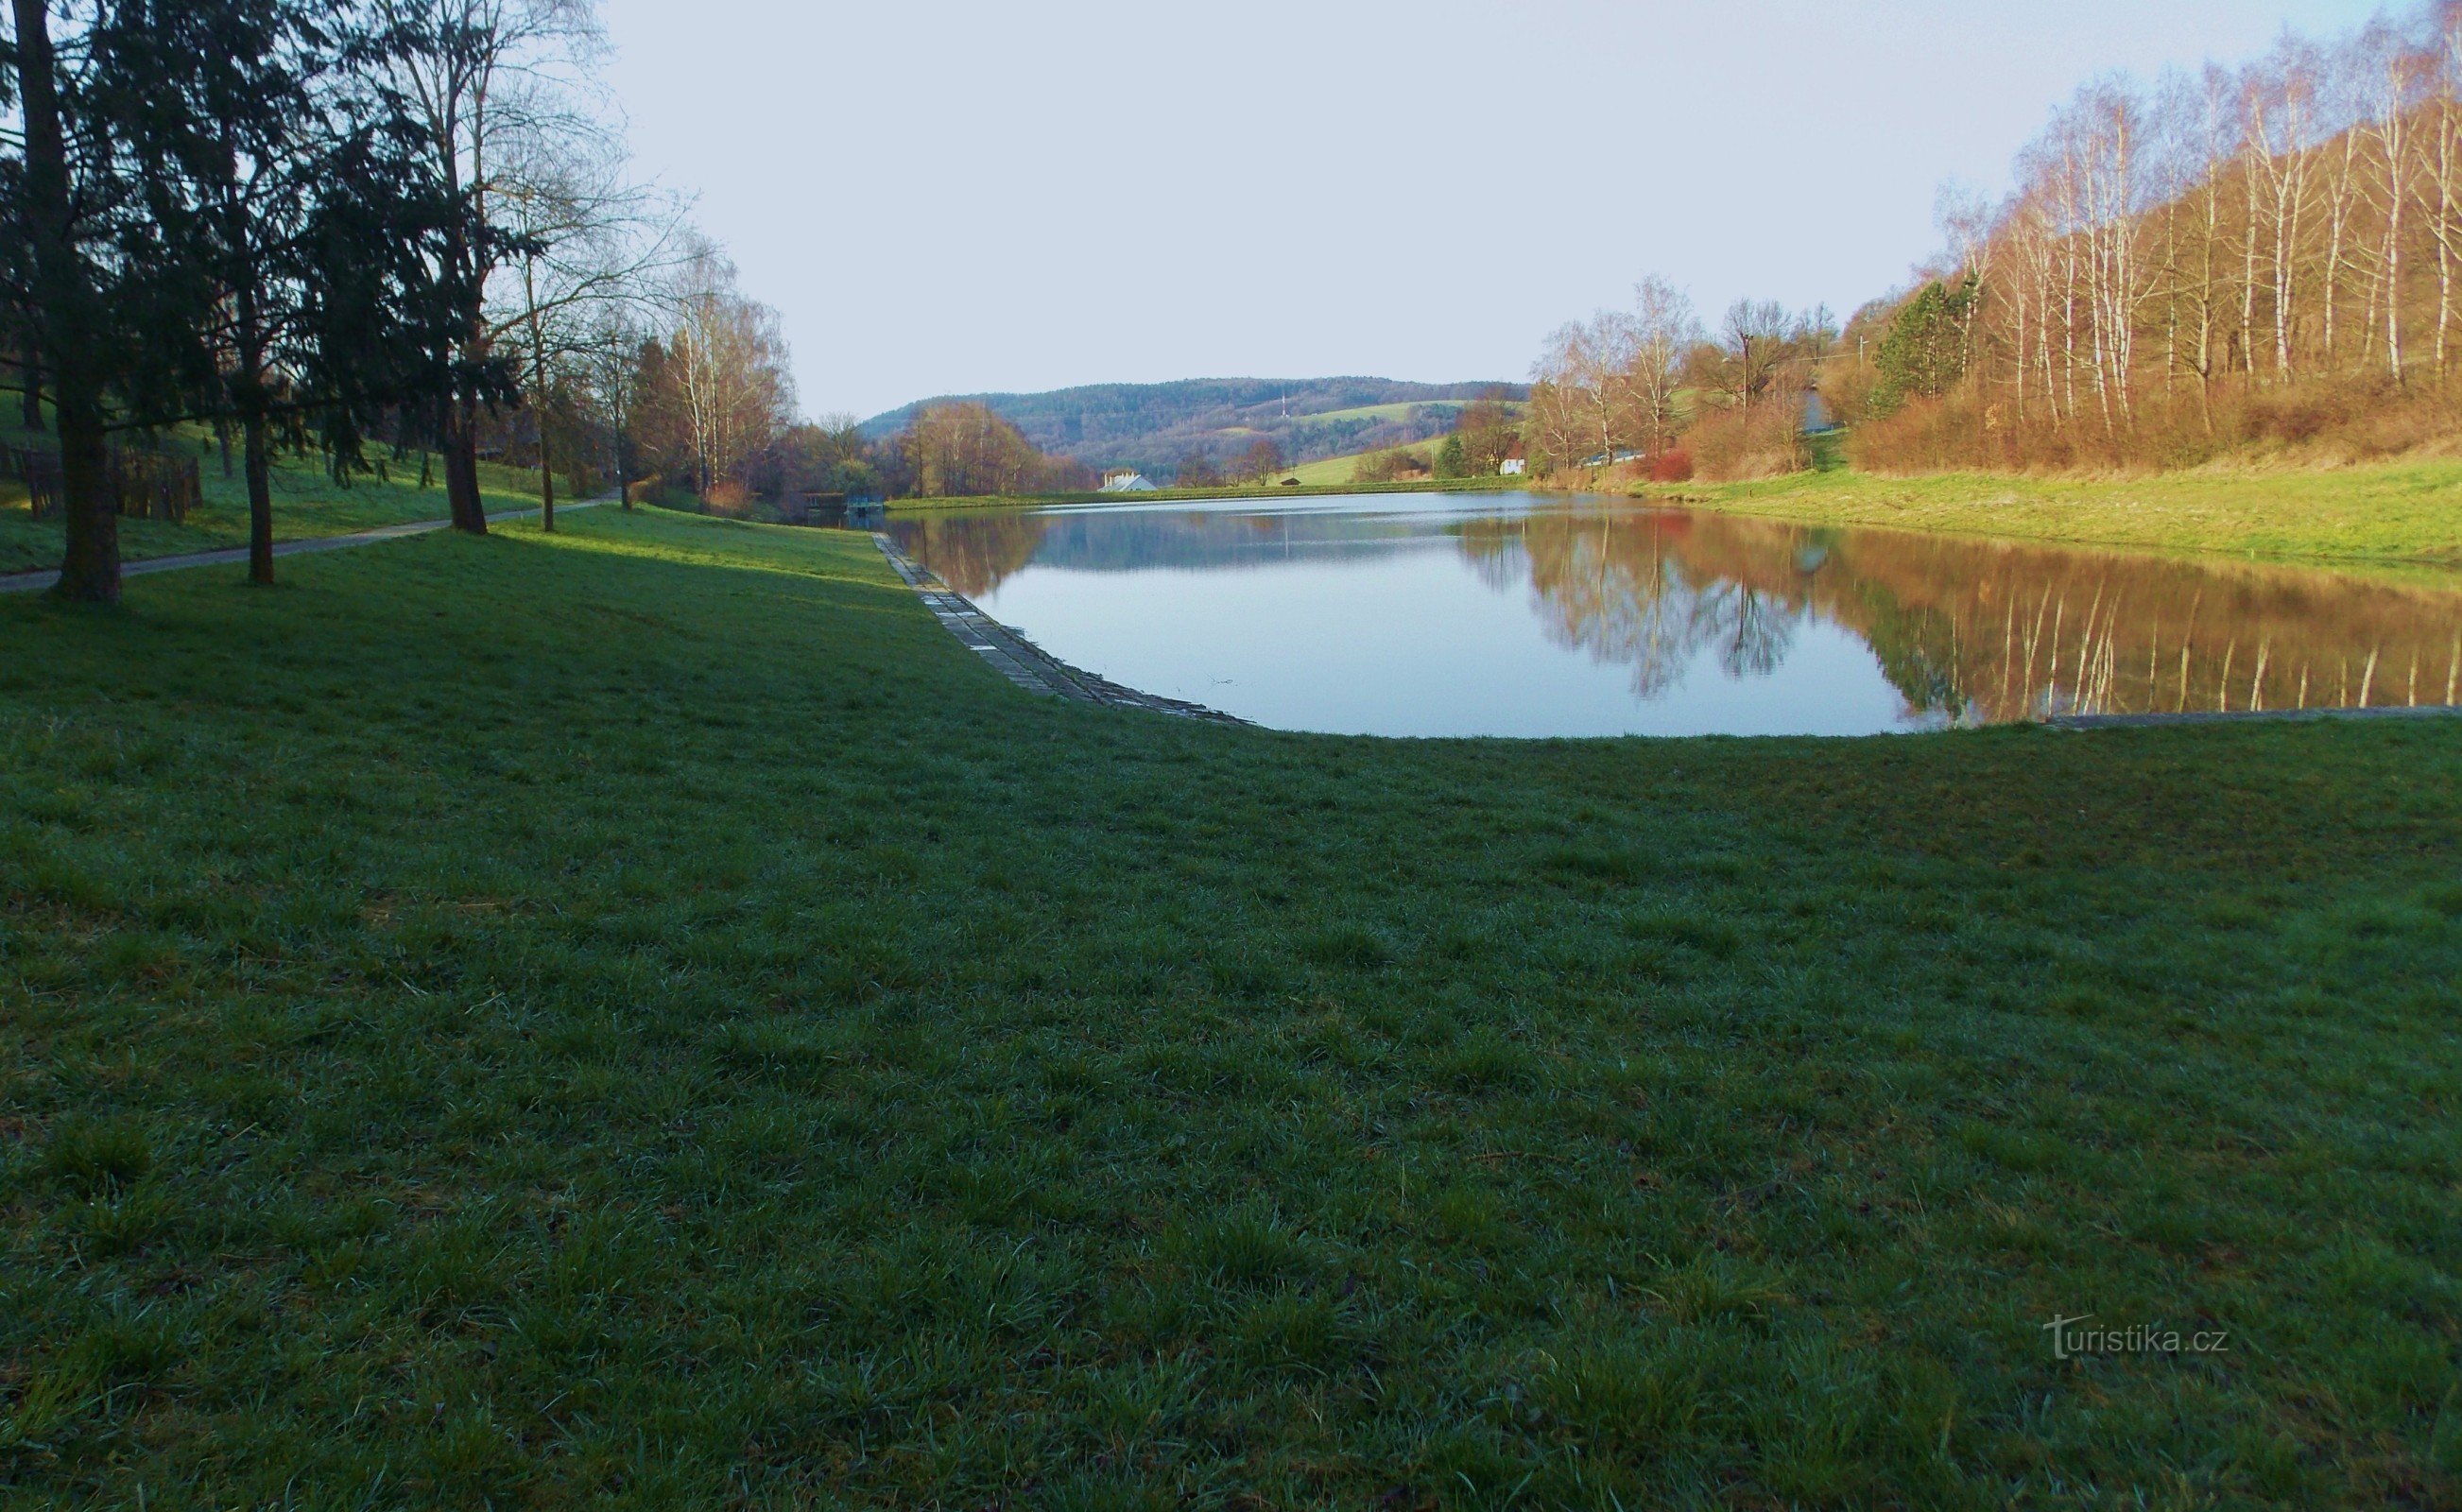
(1151, 426)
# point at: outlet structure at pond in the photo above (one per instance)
(1019, 659)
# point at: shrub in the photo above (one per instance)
(1763, 442)
(1388, 466)
(1675, 465)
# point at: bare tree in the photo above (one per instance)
(486, 79)
(609, 361)
(727, 367)
(590, 247)
(1665, 331)
(1751, 333)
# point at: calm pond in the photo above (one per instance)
(1535, 615)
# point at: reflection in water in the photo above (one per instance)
(1964, 630)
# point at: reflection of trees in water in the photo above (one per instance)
(1971, 628)
(1753, 634)
(1979, 630)
(1616, 585)
(972, 552)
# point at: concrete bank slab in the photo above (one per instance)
(1019, 660)
(37, 582)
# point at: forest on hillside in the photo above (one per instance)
(2254, 261)
(1157, 427)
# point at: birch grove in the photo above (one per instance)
(2174, 262)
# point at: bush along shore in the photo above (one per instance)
(641, 1016)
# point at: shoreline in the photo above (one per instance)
(1022, 661)
(2399, 514)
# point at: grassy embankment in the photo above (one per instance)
(305, 502)
(642, 1018)
(2405, 512)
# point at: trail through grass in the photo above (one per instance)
(641, 1018)
(307, 503)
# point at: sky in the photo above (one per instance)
(957, 196)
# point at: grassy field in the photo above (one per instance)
(305, 502)
(2409, 511)
(1395, 412)
(1339, 469)
(642, 1018)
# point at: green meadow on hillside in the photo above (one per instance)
(641, 1017)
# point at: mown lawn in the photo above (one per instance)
(642, 1018)
(2406, 512)
(305, 502)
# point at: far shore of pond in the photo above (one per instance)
(2408, 512)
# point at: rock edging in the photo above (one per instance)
(1019, 659)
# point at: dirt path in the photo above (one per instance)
(36, 582)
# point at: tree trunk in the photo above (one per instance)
(462, 469)
(547, 484)
(67, 313)
(31, 400)
(260, 501)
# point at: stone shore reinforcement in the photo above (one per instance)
(1019, 659)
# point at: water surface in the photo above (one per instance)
(1539, 616)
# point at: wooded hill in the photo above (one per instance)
(1153, 426)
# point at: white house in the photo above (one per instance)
(1514, 462)
(1126, 483)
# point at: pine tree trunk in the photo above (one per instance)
(69, 313)
(29, 403)
(260, 501)
(462, 470)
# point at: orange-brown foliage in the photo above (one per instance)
(1729, 445)
(2350, 420)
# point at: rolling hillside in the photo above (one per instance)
(1151, 426)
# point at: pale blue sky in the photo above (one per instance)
(952, 196)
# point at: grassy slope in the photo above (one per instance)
(1339, 469)
(2409, 511)
(305, 502)
(646, 1018)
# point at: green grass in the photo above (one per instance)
(306, 504)
(642, 1018)
(1396, 412)
(2407, 511)
(1333, 470)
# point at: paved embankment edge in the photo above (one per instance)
(1019, 659)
